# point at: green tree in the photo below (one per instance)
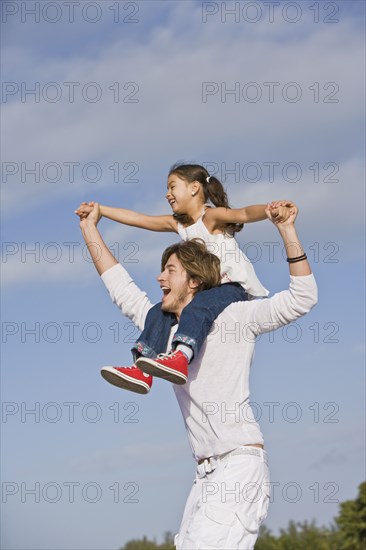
(140, 544)
(266, 541)
(351, 522)
(304, 535)
(168, 543)
(145, 544)
(348, 532)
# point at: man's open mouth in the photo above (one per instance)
(165, 290)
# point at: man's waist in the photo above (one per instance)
(218, 457)
(208, 465)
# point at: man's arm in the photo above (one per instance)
(133, 302)
(102, 257)
(301, 296)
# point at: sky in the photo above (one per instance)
(99, 99)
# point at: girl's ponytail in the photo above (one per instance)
(212, 188)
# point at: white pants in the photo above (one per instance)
(228, 502)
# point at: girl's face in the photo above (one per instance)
(179, 194)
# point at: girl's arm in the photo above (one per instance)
(130, 217)
(216, 217)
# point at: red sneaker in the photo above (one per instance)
(128, 378)
(170, 366)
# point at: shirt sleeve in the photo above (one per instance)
(133, 302)
(282, 308)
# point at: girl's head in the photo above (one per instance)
(200, 185)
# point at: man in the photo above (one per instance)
(230, 495)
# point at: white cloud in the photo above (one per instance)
(325, 216)
(170, 120)
(169, 54)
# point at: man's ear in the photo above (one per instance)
(194, 283)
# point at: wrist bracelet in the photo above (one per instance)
(297, 259)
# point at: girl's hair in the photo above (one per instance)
(199, 263)
(213, 191)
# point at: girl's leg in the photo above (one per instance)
(195, 323)
(198, 316)
(152, 341)
(154, 338)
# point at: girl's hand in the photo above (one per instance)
(281, 210)
(92, 217)
(280, 218)
(282, 203)
(281, 213)
(84, 210)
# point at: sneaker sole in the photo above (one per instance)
(123, 381)
(150, 367)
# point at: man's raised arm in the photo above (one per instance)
(299, 266)
(132, 301)
(286, 306)
(101, 255)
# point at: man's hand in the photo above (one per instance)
(281, 210)
(89, 213)
(282, 213)
(84, 209)
(293, 247)
(98, 250)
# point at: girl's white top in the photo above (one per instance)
(235, 266)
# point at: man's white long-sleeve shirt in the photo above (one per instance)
(215, 400)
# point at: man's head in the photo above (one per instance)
(186, 268)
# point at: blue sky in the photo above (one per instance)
(106, 466)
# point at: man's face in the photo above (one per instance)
(177, 291)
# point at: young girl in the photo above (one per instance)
(200, 210)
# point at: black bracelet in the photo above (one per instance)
(297, 259)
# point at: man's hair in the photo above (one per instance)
(198, 262)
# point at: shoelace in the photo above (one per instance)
(167, 355)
